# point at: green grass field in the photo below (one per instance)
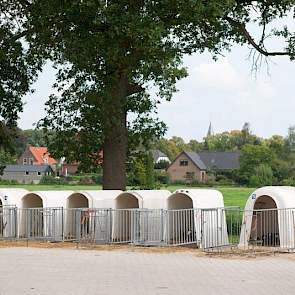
(233, 196)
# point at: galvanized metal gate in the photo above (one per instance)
(149, 227)
(8, 222)
(220, 228)
(95, 225)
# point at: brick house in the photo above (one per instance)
(192, 166)
(37, 156)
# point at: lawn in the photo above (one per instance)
(233, 196)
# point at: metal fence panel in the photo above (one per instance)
(210, 229)
(8, 222)
(221, 228)
(149, 227)
(95, 225)
(123, 224)
(183, 226)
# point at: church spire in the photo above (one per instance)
(210, 130)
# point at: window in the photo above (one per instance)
(27, 173)
(31, 161)
(183, 163)
(25, 161)
(39, 173)
(190, 175)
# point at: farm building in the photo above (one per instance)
(191, 166)
(26, 173)
(269, 218)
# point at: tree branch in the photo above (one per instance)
(242, 29)
(134, 88)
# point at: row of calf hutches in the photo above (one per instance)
(152, 205)
(113, 199)
(269, 210)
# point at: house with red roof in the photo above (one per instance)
(40, 156)
(34, 155)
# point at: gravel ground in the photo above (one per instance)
(68, 271)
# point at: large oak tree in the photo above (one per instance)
(109, 54)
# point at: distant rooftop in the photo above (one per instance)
(29, 168)
(215, 160)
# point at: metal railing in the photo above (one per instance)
(183, 227)
(209, 229)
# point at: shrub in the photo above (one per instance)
(162, 165)
(53, 180)
(97, 179)
(254, 181)
(288, 181)
(8, 182)
(263, 176)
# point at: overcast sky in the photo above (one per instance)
(225, 92)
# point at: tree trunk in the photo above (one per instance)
(115, 139)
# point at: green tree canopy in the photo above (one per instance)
(253, 156)
(110, 53)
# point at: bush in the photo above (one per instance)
(86, 180)
(162, 177)
(288, 181)
(97, 179)
(223, 180)
(53, 180)
(263, 176)
(254, 181)
(8, 182)
(162, 165)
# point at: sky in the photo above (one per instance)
(224, 92)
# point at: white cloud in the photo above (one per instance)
(220, 75)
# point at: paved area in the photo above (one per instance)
(64, 271)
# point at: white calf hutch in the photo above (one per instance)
(93, 218)
(144, 225)
(8, 215)
(269, 218)
(41, 214)
(190, 221)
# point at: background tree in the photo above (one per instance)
(109, 53)
(251, 157)
(18, 70)
(263, 176)
(122, 47)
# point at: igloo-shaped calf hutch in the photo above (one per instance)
(146, 224)
(269, 218)
(196, 216)
(77, 208)
(89, 215)
(41, 214)
(9, 198)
